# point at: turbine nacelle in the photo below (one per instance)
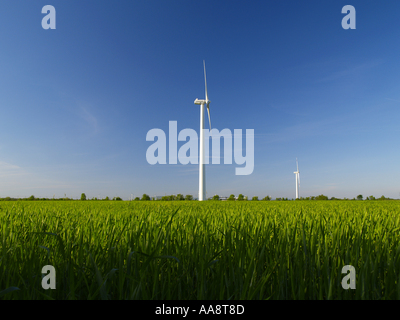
(200, 102)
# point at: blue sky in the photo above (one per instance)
(77, 102)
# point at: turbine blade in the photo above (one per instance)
(205, 79)
(297, 165)
(209, 118)
(299, 179)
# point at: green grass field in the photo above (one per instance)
(193, 250)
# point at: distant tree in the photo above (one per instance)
(188, 197)
(216, 197)
(83, 196)
(179, 197)
(360, 197)
(254, 199)
(145, 197)
(246, 198)
(240, 197)
(137, 199)
(117, 199)
(231, 198)
(267, 198)
(321, 197)
(371, 198)
(107, 198)
(278, 199)
(31, 198)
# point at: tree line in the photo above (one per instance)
(180, 197)
(241, 197)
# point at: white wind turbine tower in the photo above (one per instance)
(202, 166)
(297, 173)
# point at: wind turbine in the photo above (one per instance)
(202, 166)
(297, 173)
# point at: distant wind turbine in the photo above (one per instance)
(202, 166)
(297, 173)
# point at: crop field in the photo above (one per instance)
(188, 250)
